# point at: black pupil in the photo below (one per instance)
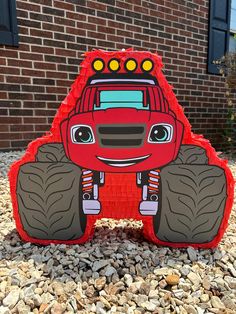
(159, 133)
(83, 134)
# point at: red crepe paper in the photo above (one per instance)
(120, 196)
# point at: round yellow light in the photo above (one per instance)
(147, 65)
(114, 65)
(98, 65)
(131, 65)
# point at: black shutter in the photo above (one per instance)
(8, 23)
(219, 25)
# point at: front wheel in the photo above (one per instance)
(49, 200)
(192, 203)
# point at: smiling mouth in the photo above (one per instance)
(122, 162)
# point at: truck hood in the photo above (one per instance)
(121, 116)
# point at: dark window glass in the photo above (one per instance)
(8, 23)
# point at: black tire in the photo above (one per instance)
(191, 155)
(52, 152)
(192, 203)
(49, 201)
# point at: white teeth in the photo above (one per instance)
(122, 160)
(122, 165)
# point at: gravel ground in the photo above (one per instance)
(117, 272)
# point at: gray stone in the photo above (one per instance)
(100, 283)
(11, 299)
(216, 302)
(194, 278)
(232, 270)
(162, 271)
(128, 279)
(229, 302)
(204, 297)
(190, 309)
(231, 281)
(192, 253)
(178, 293)
(148, 305)
(4, 310)
(110, 271)
(185, 270)
(97, 265)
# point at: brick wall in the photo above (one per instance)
(36, 76)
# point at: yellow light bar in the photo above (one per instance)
(147, 65)
(131, 65)
(98, 65)
(114, 65)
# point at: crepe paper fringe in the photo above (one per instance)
(120, 208)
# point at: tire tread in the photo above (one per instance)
(48, 198)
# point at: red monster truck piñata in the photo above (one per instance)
(119, 147)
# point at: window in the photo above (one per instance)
(219, 31)
(121, 99)
(232, 37)
(8, 23)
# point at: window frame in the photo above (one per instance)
(232, 31)
(218, 25)
(10, 36)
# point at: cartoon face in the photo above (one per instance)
(117, 140)
(122, 128)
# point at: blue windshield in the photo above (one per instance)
(121, 99)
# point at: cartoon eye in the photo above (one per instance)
(160, 133)
(82, 134)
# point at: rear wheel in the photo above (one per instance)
(52, 152)
(49, 200)
(191, 155)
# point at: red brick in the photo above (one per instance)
(33, 73)
(53, 27)
(94, 5)
(56, 74)
(19, 144)
(31, 135)
(31, 56)
(87, 26)
(75, 16)
(37, 120)
(42, 127)
(14, 71)
(28, 7)
(124, 5)
(10, 120)
(96, 35)
(4, 144)
(10, 136)
(45, 66)
(65, 52)
(43, 50)
(63, 5)
(56, 90)
(19, 63)
(23, 30)
(18, 79)
(4, 128)
(41, 33)
(18, 128)
(46, 112)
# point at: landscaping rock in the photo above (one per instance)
(118, 271)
